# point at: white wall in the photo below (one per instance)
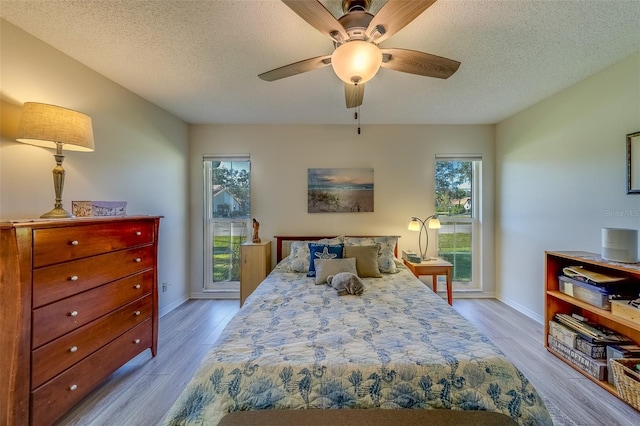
(561, 177)
(402, 158)
(140, 154)
(559, 168)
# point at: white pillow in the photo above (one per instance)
(299, 256)
(326, 267)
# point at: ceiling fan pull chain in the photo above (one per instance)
(357, 117)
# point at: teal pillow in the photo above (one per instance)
(323, 251)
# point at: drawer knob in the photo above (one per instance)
(138, 233)
(73, 313)
(74, 243)
(73, 349)
(136, 286)
(73, 387)
(138, 259)
(137, 313)
(74, 278)
(137, 341)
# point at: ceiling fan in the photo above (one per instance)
(355, 36)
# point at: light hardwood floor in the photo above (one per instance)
(141, 392)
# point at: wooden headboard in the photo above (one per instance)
(284, 240)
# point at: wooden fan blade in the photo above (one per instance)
(353, 94)
(318, 17)
(395, 15)
(296, 68)
(419, 63)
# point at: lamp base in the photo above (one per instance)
(57, 213)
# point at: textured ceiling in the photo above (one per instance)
(200, 59)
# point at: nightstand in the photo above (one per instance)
(255, 266)
(434, 268)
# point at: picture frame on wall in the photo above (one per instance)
(344, 190)
(633, 163)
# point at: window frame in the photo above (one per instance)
(475, 220)
(209, 285)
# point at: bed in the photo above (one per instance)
(296, 344)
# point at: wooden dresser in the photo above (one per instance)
(78, 299)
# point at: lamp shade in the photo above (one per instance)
(49, 125)
(433, 223)
(414, 225)
(356, 62)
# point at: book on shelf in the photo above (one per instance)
(410, 256)
(592, 350)
(572, 339)
(595, 368)
(591, 332)
(564, 334)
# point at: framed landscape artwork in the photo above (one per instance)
(633, 163)
(340, 190)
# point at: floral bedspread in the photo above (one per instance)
(298, 345)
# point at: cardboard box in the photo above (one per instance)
(98, 208)
(622, 309)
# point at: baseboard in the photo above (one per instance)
(215, 295)
(199, 295)
(469, 295)
(170, 307)
(523, 310)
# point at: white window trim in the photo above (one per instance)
(230, 287)
(476, 284)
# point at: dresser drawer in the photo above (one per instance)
(55, 357)
(56, 319)
(55, 245)
(54, 398)
(59, 281)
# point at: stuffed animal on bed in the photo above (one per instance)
(346, 283)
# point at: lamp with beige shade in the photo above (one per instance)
(56, 127)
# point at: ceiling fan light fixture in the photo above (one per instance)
(356, 62)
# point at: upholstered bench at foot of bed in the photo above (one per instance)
(377, 417)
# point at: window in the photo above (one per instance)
(227, 192)
(458, 200)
